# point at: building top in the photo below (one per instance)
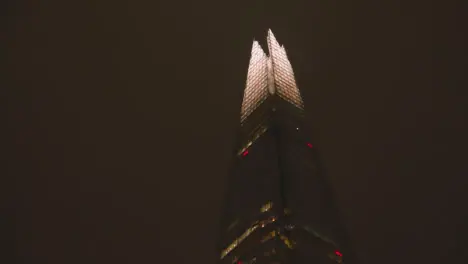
(269, 76)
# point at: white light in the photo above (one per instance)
(268, 75)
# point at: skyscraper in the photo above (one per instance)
(279, 207)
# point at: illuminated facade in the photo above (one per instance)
(279, 208)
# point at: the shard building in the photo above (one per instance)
(279, 206)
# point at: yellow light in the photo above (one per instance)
(269, 236)
(266, 207)
(287, 242)
(238, 240)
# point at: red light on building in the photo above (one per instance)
(245, 153)
(309, 145)
(338, 253)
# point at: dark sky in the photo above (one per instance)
(121, 119)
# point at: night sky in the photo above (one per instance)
(121, 120)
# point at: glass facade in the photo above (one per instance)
(269, 75)
(256, 90)
(284, 80)
(279, 209)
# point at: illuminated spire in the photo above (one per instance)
(256, 90)
(271, 39)
(285, 83)
(269, 75)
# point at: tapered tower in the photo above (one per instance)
(279, 207)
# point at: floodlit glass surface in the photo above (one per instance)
(268, 75)
(256, 90)
(285, 82)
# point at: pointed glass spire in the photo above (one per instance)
(256, 90)
(285, 83)
(269, 75)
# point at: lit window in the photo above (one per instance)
(269, 236)
(266, 207)
(289, 243)
(244, 151)
(238, 240)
